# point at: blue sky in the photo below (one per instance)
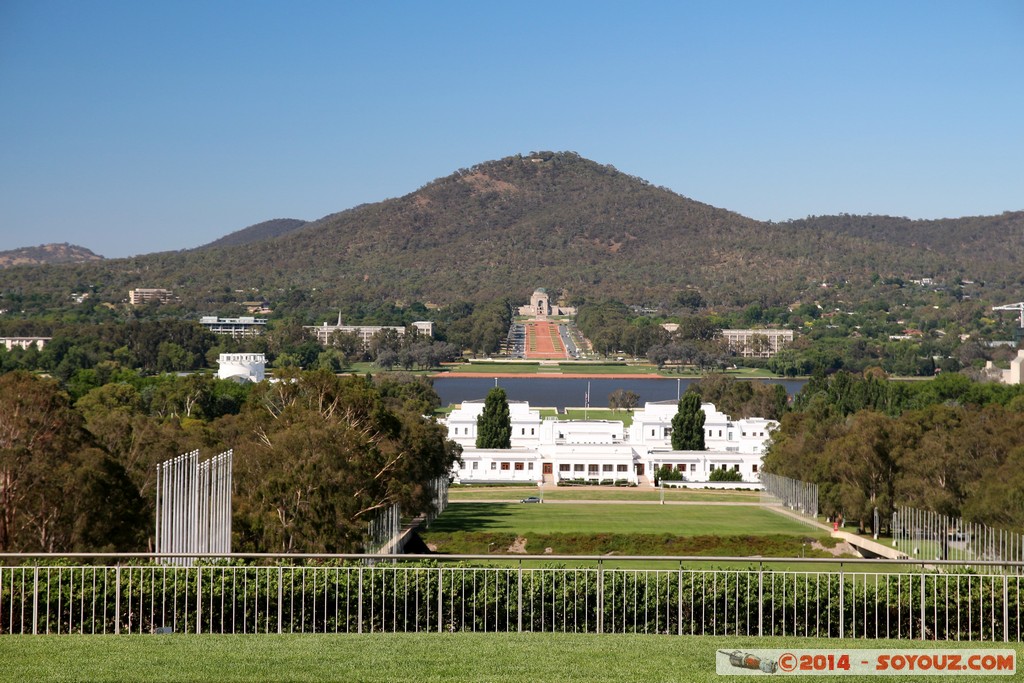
(132, 127)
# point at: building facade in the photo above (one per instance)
(139, 297)
(540, 306)
(11, 343)
(245, 326)
(549, 450)
(249, 367)
(365, 333)
(757, 343)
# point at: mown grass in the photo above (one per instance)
(554, 493)
(415, 657)
(617, 518)
(623, 416)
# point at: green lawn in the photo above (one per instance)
(625, 518)
(396, 658)
(514, 494)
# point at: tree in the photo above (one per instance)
(621, 399)
(494, 425)
(688, 424)
(725, 475)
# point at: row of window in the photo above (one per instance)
(681, 467)
(518, 466)
(579, 467)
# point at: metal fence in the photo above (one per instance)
(356, 594)
(798, 496)
(928, 535)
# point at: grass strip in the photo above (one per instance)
(414, 657)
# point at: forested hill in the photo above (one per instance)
(47, 253)
(557, 220)
(255, 233)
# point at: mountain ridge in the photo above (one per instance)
(556, 219)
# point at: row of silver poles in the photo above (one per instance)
(193, 505)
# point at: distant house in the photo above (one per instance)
(245, 326)
(11, 343)
(250, 367)
(140, 297)
(365, 333)
(1012, 376)
(763, 343)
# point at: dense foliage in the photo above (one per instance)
(316, 455)
(494, 424)
(950, 445)
(688, 424)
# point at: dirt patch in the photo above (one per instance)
(432, 547)
(548, 551)
(518, 546)
(839, 550)
(481, 182)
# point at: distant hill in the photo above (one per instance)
(560, 221)
(255, 233)
(47, 254)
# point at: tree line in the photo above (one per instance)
(316, 455)
(951, 445)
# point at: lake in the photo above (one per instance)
(551, 392)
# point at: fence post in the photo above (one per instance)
(679, 601)
(1006, 608)
(600, 596)
(359, 610)
(923, 630)
(117, 599)
(35, 600)
(440, 599)
(280, 598)
(519, 605)
(760, 599)
(199, 600)
(842, 603)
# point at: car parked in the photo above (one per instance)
(531, 499)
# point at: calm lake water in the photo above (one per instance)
(549, 392)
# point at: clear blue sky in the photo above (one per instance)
(135, 126)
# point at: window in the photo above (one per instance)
(606, 468)
(563, 467)
(476, 465)
(719, 433)
(494, 465)
(681, 467)
(504, 466)
(755, 469)
(735, 468)
(622, 468)
(519, 466)
(591, 469)
(531, 431)
(693, 467)
(524, 432)
(577, 468)
(652, 432)
(730, 436)
(529, 466)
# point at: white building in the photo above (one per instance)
(549, 450)
(323, 333)
(250, 367)
(244, 326)
(763, 343)
(11, 343)
(1012, 376)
